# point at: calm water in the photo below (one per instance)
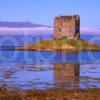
(43, 70)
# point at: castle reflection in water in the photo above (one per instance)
(66, 74)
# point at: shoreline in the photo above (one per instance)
(44, 50)
(52, 94)
(61, 51)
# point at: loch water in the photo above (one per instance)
(44, 70)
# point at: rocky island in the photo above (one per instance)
(67, 37)
(64, 45)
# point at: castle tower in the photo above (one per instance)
(67, 27)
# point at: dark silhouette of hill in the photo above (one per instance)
(20, 24)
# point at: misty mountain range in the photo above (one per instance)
(20, 25)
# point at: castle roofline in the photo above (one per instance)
(66, 16)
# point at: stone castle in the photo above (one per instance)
(67, 27)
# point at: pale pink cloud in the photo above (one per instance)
(38, 30)
(89, 30)
(43, 30)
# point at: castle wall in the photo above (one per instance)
(67, 26)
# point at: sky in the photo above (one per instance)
(44, 11)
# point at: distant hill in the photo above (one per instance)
(20, 25)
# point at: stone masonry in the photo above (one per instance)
(67, 27)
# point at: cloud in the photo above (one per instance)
(89, 30)
(43, 30)
(18, 31)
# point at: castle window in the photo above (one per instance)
(60, 30)
(57, 18)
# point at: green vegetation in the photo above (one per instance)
(62, 45)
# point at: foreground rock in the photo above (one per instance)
(64, 45)
(57, 94)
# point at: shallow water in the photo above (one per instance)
(43, 70)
